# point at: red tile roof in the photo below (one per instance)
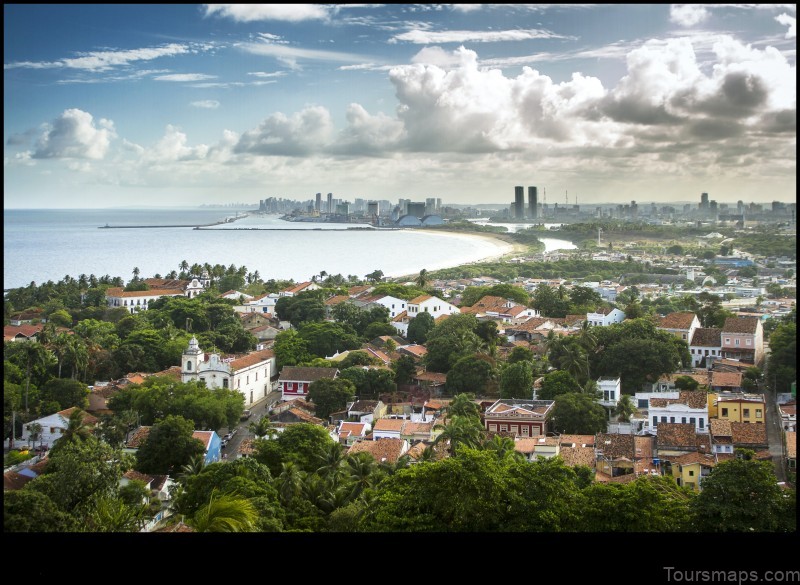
(388, 450)
(740, 325)
(419, 299)
(681, 320)
(251, 359)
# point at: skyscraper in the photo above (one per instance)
(704, 201)
(330, 202)
(318, 203)
(519, 202)
(533, 203)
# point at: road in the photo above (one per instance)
(257, 410)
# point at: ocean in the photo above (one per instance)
(42, 245)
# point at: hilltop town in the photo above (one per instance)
(633, 384)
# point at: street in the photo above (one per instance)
(257, 410)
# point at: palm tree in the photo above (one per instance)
(460, 430)
(60, 347)
(290, 482)
(463, 405)
(35, 432)
(361, 471)
(422, 278)
(575, 361)
(136, 273)
(262, 428)
(502, 446)
(183, 266)
(78, 354)
(110, 514)
(329, 458)
(35, 355)
(624, 408)
(195, 467)
(225, 513)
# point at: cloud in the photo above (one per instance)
(206, 104)
(425, 37)
(789, 21)
(74, 135)
(106, 60)
(173, 147)
(466, 7)
(263, 74)
(184, 77)
(306, 132)
(256, 12)
(290, 55)
(687, 14)
(367, 135)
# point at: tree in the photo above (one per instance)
(169, 446)
(575, 361)
(35, 433)
(297, 443)
(404, 369)
(520, 354)
(516, 381)
(470, 374)
(290, 349)
(225, 513)
(422, 278)
(451, 340)
(743, 495)
(460, 431)
(624, 408)
(330, 395)
(77, 431)
(557, 383)
(686, 383)
(28, 510)
(375, 276)
(463, 405)
(263, 427)
(578, 414)
(326, 338)
(66, 393)
(420, 327)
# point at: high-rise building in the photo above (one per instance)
(430, 206)
(704, 201)
(438, 205)
(318, 203)
(330, 202)
(403, 205)
(373, 208)
(519, 202)
(416, 208)
(533, 203)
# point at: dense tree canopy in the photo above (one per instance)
(330, 395)
(471, 373)
(169, 446)
(516, 381)
(578, 414)
(420, 327)
(451, 340)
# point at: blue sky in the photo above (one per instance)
(118, 105)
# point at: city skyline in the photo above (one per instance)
(173, 105)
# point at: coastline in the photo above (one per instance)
(506, 247)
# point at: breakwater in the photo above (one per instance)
(192, 225)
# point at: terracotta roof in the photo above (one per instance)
(417, 350)
(740, 325)
(705, 459)
(401, 316)
(132, 474)
(204, 437)
(643, 447)
(415, 452)
(251, 359)
(519, 407)
(419, 299)
(355, 428)
(167, 283)
(337, 299)
(88, 419)
(138, 437)
(692, 399)
(357, 290)
(388, 450)
(417, 428)
(707, 337)
(436, 404)
(749, 433)
(298, 287)
(682, 320)
(578, 456)
(11, 331)
(306, 416)
(247, 446)
(616, 445)
(791, 444)
(531, 324)
(486, 304)
(788, 409)
(118, 292)
(14, 481)
(578, 440)
(306, 374)
(720, 427)
(388, 424)
(680, 435)
(726, 379)
(363, 406)
(434, 377)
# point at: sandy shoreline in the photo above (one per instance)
(506, 247)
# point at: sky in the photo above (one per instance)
(178, 104)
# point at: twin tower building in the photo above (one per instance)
(519, 203)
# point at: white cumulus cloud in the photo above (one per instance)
(255, 12)
(687, 14)
(425, 37)
(184, 77)
(206, 104)
(75, 135)
(789, 21)
(305, 132)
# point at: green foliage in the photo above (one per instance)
(742, 496)
(557, 383)
(300, 308)
(520, 354)
(358, 358)
(330, 395)
(290, 349)
(516, 381)
(399, 291)
(298, 444)
(782, 362)
(471, 374)
(324, 338)
(28, 510)
(15, 457)
(66, 393)
(472, 294)
(369, 383)
(549, 302)
(404, 369)
(578, 414)
(160, 396)
(420, 327)
(169, 446)
(686, 383)
(451, 340)
(767, 244)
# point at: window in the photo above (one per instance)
(238, 382)
(663, 419)
(683, 420)
(515, 428)
(642, 403)
(188, 366)
(692, 420)
(747, 341)
(672, 419)
(256, 376)
(493, 427)
(758, 413)
(503, 428)
(224, 382)
(727, 340)
(702, 422)
(52, 430)
(746, 412)
(724, 412)
(525, 430)
(691, 473)
(655, 421)
(736, 342)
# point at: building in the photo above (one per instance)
(250, 374)
(52, 427)
(294, 381)
(519, 202)
(682, 324)
(737, 407)
(382, 450)
(690, 469)
(605, 317)
(688, 408)
(533, 203)
(433, 305)
(705, 345)
(743, 339)
(138, 300)
(522, 418)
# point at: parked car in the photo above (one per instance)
(246, 414)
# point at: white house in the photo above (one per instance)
(605, 317)
(395, 305)
(53, 427)
(298, 288)
(705, 343)
(387, 428)
(139, 300)
(689, 407)
(250, 374)
(433, 305)
(611, 389)
(264, 303)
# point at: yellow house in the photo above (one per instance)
(690, 469)
(737, 407)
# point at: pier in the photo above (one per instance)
(193, 225)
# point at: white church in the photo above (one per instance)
(250, 374)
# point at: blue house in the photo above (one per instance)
(212, 443)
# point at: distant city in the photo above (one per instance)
(531, 209)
